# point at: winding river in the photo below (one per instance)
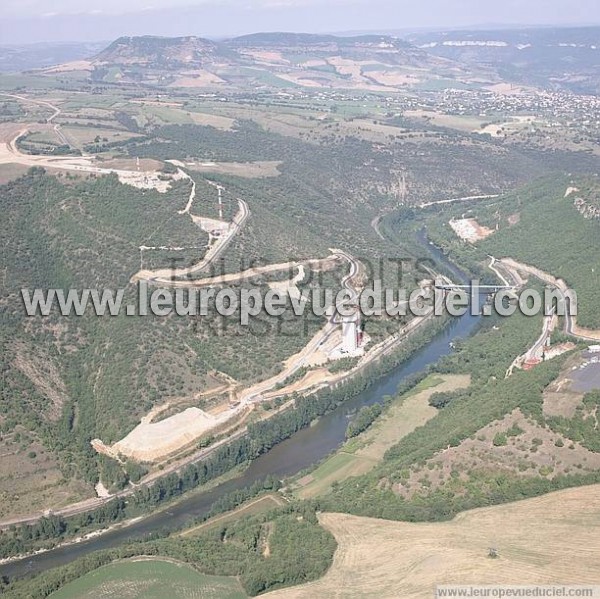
(300, 451)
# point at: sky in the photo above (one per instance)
(29, 21)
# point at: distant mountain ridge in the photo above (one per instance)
(311, 39)
(155, 50)
(557, 57)
(279, 59)
(190, 49)
(552, 58)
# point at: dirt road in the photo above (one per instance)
(454, 200)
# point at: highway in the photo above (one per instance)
(236, 277)
(165, 276)
(508, 268)
(303, 358)
(571, 328)
(537, 349)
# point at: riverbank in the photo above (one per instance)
(301, 449)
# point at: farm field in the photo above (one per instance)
(212, 120)
(462, 123)
(383, 559)
(150, 579)
(80, 136)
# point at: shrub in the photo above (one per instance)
(499, 440)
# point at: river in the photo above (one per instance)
(308, 446)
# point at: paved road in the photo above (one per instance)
(507, 268)
(303, 358)
(571, 328)
(165, 276)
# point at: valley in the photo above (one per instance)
(244, 455)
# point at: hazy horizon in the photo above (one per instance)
(31, 21)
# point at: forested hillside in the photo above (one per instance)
(552, 235)
(459, 459)
(68, 380)
(541, 225)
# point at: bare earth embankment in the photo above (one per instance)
(553, 539)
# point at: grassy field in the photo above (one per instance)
(150, 579)
(553, 539)
(212, 120)
(361, 454)
(80, 136)
(250, 508)
(338, 467)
